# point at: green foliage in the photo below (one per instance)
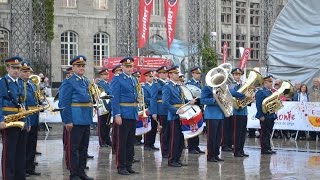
(208, 54)
(49, 9)
(2, 70)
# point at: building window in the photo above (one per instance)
(3, 1)
(226, 38)
(255, 14)
(155, 38)
(255, 45)
(69, 3)
(156, 7)
(240, 12)
(100, 48)
(100, 4)
(4, 44)
(69, 46)
(226, 12)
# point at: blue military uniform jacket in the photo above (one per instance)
(125, 96)
(260, 96)
(147, 93)
(156, 105)
(233, 88)
(194, 82)
(17, 96)
(212, 110)
(172, 95)
(76, 100)
(32, 102)
(106, 86)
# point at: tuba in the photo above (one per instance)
(217, 79)
(248, 87)
(272, 103)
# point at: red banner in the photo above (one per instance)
(171, 12)
(145, 10)
(225, 52)
(244, 58)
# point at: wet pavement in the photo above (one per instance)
(294, 160)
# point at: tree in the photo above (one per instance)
(208, 54)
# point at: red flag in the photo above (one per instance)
(171, 11)
(244, 58)
(225, 51)
(145, 9)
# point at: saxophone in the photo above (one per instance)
(248, 87)
(272, 103)
(217, 79)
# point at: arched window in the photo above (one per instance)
(4, 44)
(155, 38)
(100, 48)
(69, 46)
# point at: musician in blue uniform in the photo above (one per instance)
(75, 98)
(116, 70)
(14, 139)
(266, 120)
(137, 74)
(150, 137)
(124, 107)
(193, 143)
(104, 119)
(240, 116)
(157, 110)
(173, 99)
(214, 116)
(32, 103)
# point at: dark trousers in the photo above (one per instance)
(150, 137)
(125, 143)
(240, 131)
(252, 132)
(214, 134)
(66, 146)
(265, 135)
(79, 142)
(164, 135)
(176, 140)
(193, 143)
(104, 129)
(114, 137)
(227, 138)
(31, 148)
(14, 154)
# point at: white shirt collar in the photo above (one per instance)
(14, 80)
(78, 76)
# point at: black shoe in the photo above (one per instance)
(87, 167)
(174, 164)
(272, 152)
(154, 148)
(201, 152)
(238, 155)
(131, 171)
(194, 152)
(35, 163)
(212, 160)
(86, 177)
(218, 159)
(227, 149)
(89, 156)
(104, 145)
(182, 164)
(245, 155)
(38, 153)
(74, 178)
(165, 156)
(147, 148)
(266, 152)
(123, 172)
(135, 160)
(33, 173)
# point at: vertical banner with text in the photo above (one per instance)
(225, 51)
(244, 58)
(171, 12)
(145, 9)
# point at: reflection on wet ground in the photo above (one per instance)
(294, 160)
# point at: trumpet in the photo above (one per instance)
(97, 94)
(142, 104)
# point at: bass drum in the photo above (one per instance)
(187, 93)
(195, 91)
